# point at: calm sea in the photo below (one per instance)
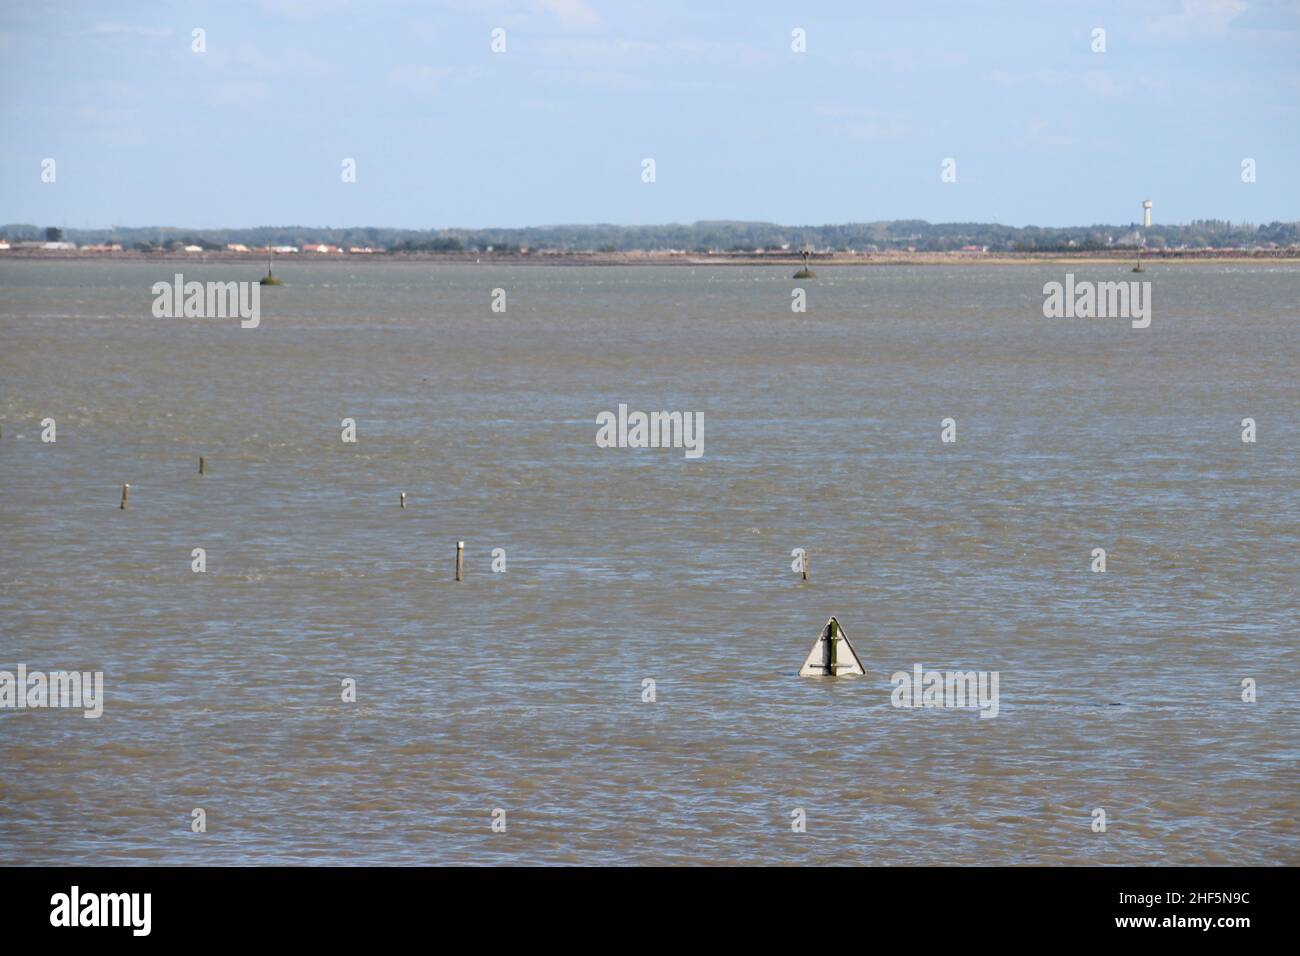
(523, 690)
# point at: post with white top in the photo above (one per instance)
(460, 560)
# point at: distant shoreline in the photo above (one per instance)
(890, 258)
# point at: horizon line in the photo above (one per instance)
(659, 225)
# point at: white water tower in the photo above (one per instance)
(1146, 213)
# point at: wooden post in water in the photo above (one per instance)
(834, 637)
(403, 499)
(805, 564)
(126, 491)
(200, 464)
(460, 558)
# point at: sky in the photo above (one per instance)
(444, 132)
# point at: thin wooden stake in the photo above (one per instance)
(403, 499)
(200, 464)
(460, 557)
(805, 564)
(126, 491)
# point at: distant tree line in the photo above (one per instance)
(698, 237)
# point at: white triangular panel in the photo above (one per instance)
(818, 663)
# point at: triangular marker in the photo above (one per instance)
(832, 655)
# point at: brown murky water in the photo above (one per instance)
(522, 690)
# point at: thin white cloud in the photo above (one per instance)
(570, 13)
(600, 79)
(866, 124)
(905, 60)
(303, 9)
(1039, 135)
(239, 94)
(1198, 19)
(614, 53)
(122, 28)
(543, 15)
(417, 78)
(1096, 82)
(292, 62)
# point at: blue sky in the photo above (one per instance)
(446, 133)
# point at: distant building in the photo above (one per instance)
(62, 246)
(236, 247)
(4, 246)
(284, 248)
(320, 247)
(193, 248)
